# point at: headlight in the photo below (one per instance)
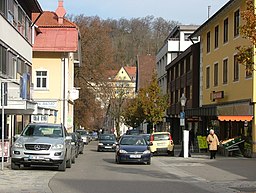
(114, 144)
(122, 151)
(146, 152)
(18, 145)
(58, 146)
(100, 143)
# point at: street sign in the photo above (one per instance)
(182, 118)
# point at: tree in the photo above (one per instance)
(154, 103)
(248, 31)
(133, 113)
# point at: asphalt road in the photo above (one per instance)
(97, 172)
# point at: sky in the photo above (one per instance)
(183, 11)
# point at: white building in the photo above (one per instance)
(16, 64)
(177, 42)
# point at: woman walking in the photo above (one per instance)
(213, 143)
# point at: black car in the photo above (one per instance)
(74, 147)
(107, 142)
(133, 148)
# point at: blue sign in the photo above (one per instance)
(25, 86)
(182, 115)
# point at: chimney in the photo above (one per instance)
(60, 11)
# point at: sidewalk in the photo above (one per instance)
(25, 180)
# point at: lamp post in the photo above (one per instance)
(185, 143)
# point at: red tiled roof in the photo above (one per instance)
(50, 19)
(146, 68)
(131, 70)
(53, 36)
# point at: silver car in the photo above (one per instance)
(42, 144)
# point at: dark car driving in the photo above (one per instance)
(107, 142)
(133, 148)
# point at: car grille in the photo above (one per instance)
(37, 147)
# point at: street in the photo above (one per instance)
(96, 172)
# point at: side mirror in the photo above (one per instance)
(16, 137)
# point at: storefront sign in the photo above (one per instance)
(47, 104)
(217, 95)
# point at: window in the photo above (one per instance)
(236, 69)
(176, 96)
(216, 37)
(12, 65)
(181, 67)
(41, 79)
(208, 46)
(3, 7)
(188, 92)
(3, 59)
(225, 32)
(208, 77)
(225, 71)
(177, 71)
(216, 72)
(188, 65)
(172, 97)
(181, 92)
(236, 23)
(172, 74)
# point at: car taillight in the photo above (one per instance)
(170, 137)
(151, 137)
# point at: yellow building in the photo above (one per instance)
(55, 54)
(226, 89)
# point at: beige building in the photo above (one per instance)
(56, 52)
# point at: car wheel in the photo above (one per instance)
(171, 153)
(15, 166)
(81, 152)
(149, 162)
(62, 166)
(73, 160)
(68, 163)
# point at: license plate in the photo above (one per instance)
(108, 147)
(34, 157)
(160, 144)
(135, 156)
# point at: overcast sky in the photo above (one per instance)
(184, 11)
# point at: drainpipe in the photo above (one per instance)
(64, 91)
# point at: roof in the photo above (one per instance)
(220, 11)
(146, 65)
(131, 71)
(31, 6)
(53, 36)
(49, 19)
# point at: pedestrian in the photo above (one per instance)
(213, 143)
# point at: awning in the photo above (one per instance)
(235, 118)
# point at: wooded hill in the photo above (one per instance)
(109, 44)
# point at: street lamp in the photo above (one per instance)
(185, 143)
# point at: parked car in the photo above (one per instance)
(74, 147)
(95, 136)
(146, 137)
(85, 136)
(80, 143)
(161, 142)
(42, 144)
(133, 148)
(107, 142)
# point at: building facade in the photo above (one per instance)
(56, 52)
(226, 88)
(183, 78)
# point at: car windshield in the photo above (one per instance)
(107, 137)
(159, 137)
(43, 131)
(83, 132)
(133, 141)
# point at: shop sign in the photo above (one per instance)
(217, 95)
